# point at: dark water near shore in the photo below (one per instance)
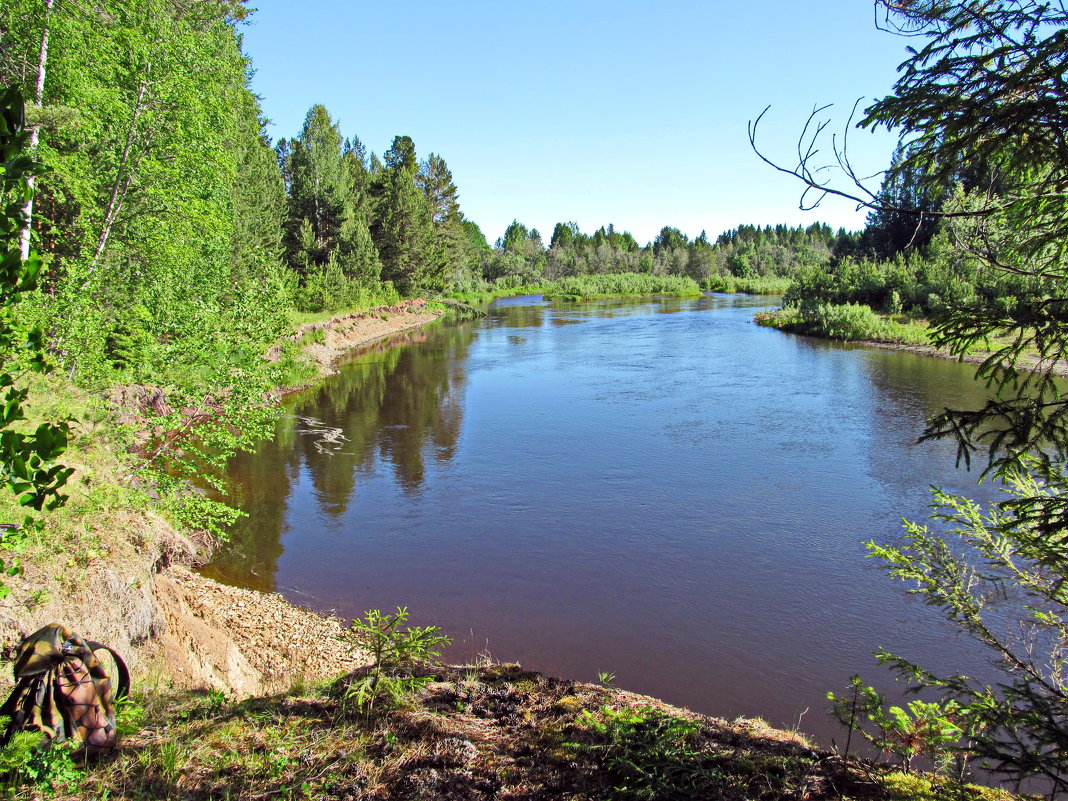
(657, 488)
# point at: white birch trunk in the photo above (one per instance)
(35, 132)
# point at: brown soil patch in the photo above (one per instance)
(348, 332)
(241, 641)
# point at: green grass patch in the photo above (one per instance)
(490, 294)
(299, 318)
(850, 322)
(760, 285)
(589, 287)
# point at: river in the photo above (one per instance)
(658, 488)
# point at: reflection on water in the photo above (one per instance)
(395, 408)
(659, 488)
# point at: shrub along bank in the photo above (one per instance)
(851, 322)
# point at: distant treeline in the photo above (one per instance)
(746, 253)
(180, 239)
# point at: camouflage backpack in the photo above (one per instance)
(63, 691)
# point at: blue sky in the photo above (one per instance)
(622, 112)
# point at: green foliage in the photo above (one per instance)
(999, 579)
(925, 284)
(606, 678)
(328, 288)
(746, 254)
(648, 755)
(851, 322)
(23, 763)
(930, 730)
(760, 285)
(405, 226)
(193, 437)
(27, 460)
(163, 218)
(315, 177)
(396, 653)
(593, 286)
(972, 93)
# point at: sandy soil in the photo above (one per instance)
(241, 641)
(351, 331)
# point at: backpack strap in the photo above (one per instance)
(123, 688)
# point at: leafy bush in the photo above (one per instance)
(24, 763)
(578, 287)
(850, 322)
(759, 285)
(328, 288)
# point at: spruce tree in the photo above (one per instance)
(316, 188)
(405, 235)
(357, 254)
(451, 254)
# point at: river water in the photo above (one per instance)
(658, 488)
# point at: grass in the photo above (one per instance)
(486, 295)
(96, 438)
(473, 733)
(299, 318)
(850, 322)
(588, 287)
(760, 285)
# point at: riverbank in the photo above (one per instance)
(109, 566)
(231, 698)
(1026, 364)
(322, 344)
(482, 732)
(858, 325)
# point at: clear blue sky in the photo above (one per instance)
(622, 112)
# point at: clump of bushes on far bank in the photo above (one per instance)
(581, 287)
(756, 285)
(852, 322)
(585, 287)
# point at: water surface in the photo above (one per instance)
(656, 488)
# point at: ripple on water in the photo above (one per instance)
(658, 488)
